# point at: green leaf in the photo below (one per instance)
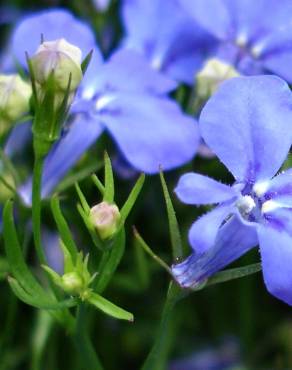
(63, 228)
(235, 273)
(141, 265)
(98, 184)
(126, 209)
(4, 268)
(228, 275)
(149, 251)
(109, 262)
(82, 199)
(14, 255)
(78, 176)
(86, 61)
(109, 308)
(175, 236)
(109, 192)
(38, 302)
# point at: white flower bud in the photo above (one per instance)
(212, 75)
(60, 58)
(105, 218)
(15, 94)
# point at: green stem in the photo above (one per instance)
(158, 355)
(36, 206)
(89, 358)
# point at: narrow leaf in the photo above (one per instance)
(82, 199)
(98, 184)
(235, 273)
(63, 228)
(109, 262)
(126, 209)
(37, 302)
(149, 251)
(14, 255)
(175, 236)
(109, 308)
(109, 192)
(86, 61)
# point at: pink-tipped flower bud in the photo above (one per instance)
(105, 217)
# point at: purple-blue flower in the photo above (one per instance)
(167, 36)
(248, 125)
(255, 36)
(123, 96)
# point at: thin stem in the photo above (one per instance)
(36, 207)
(158, 354)
(89, 358)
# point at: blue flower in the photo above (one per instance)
(167, 36)
(253, 36)
(123, 96)
(248, 125)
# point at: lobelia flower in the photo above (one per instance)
(247, 124)
(126, 97)
(253, 36)
(167, 36)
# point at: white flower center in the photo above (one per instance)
(260, 188)
(245, 204)
(103, 101)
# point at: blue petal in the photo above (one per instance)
(255, 115)
(245, 19)
(204, 231)
(276, 53)
(167, 36)
(276, 253)
(280, 188)
(82, 133)
(233, 240)
(151, 132)
(52, 24)
(126, 70)
(193, 188)
(213, 15)
(19, 137)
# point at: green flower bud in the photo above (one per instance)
(60, 58)
(105, 217)
(212, 75)
(15, 94)
(72, 283)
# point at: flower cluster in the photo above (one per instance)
(231, 57)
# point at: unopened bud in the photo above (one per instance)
(15, 94)
(60, 59)
(72, 283)
(212, 75)
(105, 217)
